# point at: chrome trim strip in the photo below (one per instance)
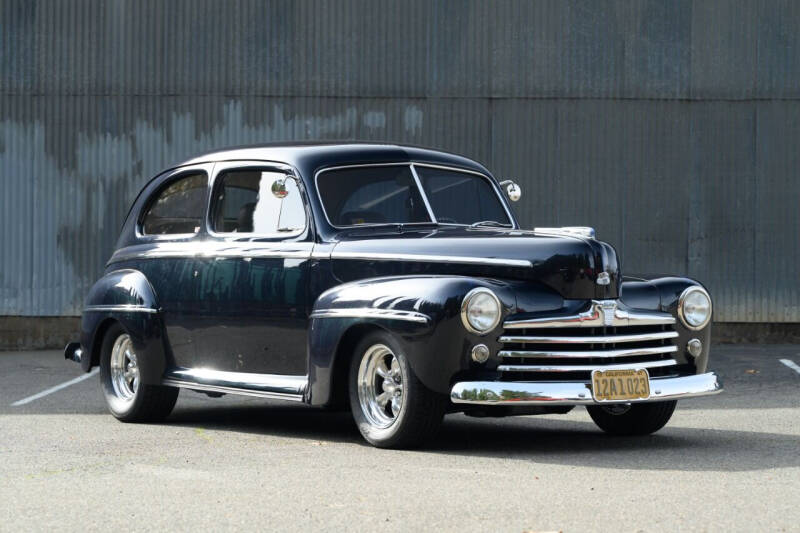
(383, 256)
(231, 390)
(569, 231)
(262, 385)
(119, 308)
(596, 316)
(212, 249)
(576, 392)
(423, 193)
(601, 339)
(369, 312)
(585, 368)
(630, 352)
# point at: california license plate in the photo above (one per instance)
(620, 385)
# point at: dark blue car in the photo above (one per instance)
(392, 280)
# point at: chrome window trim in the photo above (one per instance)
(224, 166)
(369, 312)
(465, 303)
(423, 194)
(411, 164)
(686, 292)
(385, 256)
(127, 308)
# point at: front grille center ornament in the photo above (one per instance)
(607, 309)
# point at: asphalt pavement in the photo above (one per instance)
(726, 463)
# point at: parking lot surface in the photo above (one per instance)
(725, 463)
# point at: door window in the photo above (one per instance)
(177, 208)
(245, 203)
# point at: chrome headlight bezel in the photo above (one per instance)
(682, 300)
(465, 304)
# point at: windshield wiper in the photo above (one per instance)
(492, 223)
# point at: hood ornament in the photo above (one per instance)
(603, 278)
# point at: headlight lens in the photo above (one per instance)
(480, 311)
(694, 307)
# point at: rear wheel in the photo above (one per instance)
(120, 374)
(632, 419)
(391, 407)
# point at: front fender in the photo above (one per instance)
(422, 312)
(127, 297)
(662, 294)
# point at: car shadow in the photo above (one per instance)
(530, 439)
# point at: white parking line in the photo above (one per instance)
(57, 388)
(791, 364)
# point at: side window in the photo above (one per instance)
(178, 207)
(245, 203)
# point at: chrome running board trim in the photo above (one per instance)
(275, 386)
(576, 393)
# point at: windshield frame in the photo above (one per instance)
(412, 164)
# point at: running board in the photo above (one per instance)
(274, 386)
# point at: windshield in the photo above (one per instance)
(390, 195)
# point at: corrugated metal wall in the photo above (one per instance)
(671, 126)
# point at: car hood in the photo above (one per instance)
(568, 264)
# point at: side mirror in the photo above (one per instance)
(513, 190)
(279, 189)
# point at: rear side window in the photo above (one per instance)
(178, 207)
(245, 203)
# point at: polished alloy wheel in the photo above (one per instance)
(380, 386)
(124, 369)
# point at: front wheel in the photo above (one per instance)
(120, 369)
(632, 419)
(391, 407)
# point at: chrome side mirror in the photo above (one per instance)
(513, 190)
(279, 189)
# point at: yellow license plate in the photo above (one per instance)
(616, 385)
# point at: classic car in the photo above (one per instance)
(391, 280)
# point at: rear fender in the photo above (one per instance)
(125, 296)
(423, 314)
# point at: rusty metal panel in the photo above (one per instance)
(670, 126)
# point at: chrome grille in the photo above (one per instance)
(605, 337)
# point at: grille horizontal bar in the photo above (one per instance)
(628, 352)
(602, 339)
(585, 368)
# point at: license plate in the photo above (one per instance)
(616, 385)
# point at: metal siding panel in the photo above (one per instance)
(669, 127)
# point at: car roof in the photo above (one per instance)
(308, 157)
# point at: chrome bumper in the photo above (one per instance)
(575, 393)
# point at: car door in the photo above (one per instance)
(253, 279)
(170, 229)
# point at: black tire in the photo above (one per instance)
(420, 415)
(637, 419)
(149, 403)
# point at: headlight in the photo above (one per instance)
(480, 311)
(694, 307)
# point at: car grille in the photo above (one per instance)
(603, 338)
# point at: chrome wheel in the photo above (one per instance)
(124, 369)
(380, 386)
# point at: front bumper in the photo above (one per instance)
(576, 393)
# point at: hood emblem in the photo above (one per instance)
(608, 310)
(603, 278)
